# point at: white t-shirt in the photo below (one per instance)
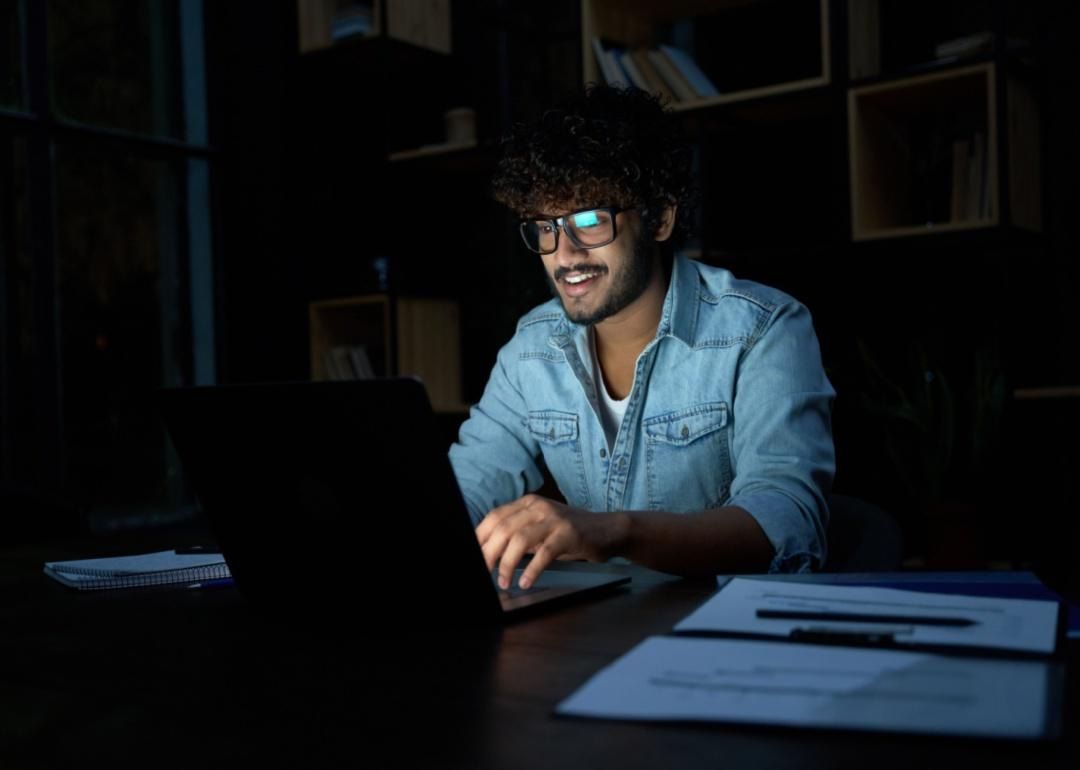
(611, 409)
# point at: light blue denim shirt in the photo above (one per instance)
(730, 406)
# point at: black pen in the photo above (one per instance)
(855, 617)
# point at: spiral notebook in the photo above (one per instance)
(139, 571)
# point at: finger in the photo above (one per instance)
(493, 546)
(525, 539)
(496, 516)
(500, 534)
(541, 560)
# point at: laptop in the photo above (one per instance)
(337, 496)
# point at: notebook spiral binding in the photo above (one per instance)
(86, 578)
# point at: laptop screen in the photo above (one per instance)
(334, 492)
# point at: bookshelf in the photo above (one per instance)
(400, 336)
(928, 153)
(423, 23)
(944, 125)
(745, 49)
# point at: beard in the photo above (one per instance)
(626, 286)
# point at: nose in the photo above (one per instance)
(567, 252)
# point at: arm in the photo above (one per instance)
(494, 458)
(696, 544)
(782, 446)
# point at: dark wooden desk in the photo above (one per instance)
(172, 678)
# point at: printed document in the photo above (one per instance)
(783, 683)
(777, 608)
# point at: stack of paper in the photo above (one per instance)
(741, 658)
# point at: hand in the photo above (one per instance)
(546, 529)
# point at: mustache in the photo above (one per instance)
(562, 272)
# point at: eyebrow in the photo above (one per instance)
(579, 210)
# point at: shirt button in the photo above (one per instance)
(603, 453)
(685, 431)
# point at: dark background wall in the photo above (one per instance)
(311, 201)
(305, 203)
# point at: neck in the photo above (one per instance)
(628, 332)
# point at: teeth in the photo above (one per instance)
(579, 278)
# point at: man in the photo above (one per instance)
(684, 414)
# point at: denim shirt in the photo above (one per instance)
(730, 406)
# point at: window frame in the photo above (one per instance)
(41, 129)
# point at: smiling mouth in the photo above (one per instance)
(573, 280)
(575, 276)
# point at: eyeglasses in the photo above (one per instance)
(586, 229)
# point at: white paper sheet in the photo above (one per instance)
(782, 683)
(1008, 624)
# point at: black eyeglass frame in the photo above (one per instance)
(559, 223)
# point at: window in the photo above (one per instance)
(106, 248)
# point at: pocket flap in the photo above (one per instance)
(553, 427)
(688, 425)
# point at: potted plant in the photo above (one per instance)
(938, 439)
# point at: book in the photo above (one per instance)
(694, 75)
(338, 361)
(976, 177)
(673, 77)
(656, 84)
(602, 61)
(621, 78)
(610, 67)
(965, 46)
(361, 364)
(139, 571)
(626, 61)
(958, 207)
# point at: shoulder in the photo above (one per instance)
(542, 319)
(718, 286)
(533, 334)
(736, 309)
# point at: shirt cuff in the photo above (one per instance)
(796, 535)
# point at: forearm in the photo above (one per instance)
(711, 542)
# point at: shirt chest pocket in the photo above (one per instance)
(560, 444)
(688, 458)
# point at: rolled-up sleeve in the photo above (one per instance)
(494, 458)
(783, 452)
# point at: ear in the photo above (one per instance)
(667, 223)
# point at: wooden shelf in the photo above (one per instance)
(749, 49)
(1047, 393)
(403, 336)
(430, 149)
(926, 154)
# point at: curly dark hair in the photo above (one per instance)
(605, 146)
